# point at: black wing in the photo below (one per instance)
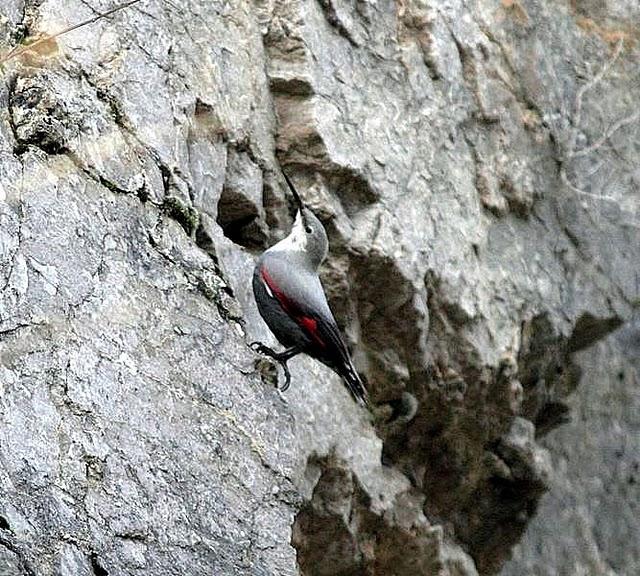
(330, 348)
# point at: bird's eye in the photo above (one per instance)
(308, 229)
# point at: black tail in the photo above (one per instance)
(355, 385)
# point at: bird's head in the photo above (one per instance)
(308, 234)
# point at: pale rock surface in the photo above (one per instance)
(476, 167)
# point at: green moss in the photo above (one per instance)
(186, 216)
(28, 40)
(208, 292)
(218, 293)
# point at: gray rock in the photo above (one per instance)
(589, 523)
(475, 167)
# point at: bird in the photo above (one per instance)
(292, 301)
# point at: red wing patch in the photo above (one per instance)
(311, 326)
(273, 289)
(307, 323)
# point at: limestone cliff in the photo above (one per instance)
(476, 165)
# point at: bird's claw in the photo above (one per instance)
(287, 377)
(260, 348)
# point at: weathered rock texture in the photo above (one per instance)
(476, 166)
(589, 523)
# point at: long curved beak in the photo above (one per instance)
(297, 198)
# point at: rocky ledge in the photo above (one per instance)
(476, 167)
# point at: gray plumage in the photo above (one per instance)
(292, 302)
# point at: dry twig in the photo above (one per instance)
(570, 151)
(18, 50)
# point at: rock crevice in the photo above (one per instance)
(482, 209)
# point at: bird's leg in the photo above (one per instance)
(287, 376)
(288, 354)
(283, 356)
(280, 357)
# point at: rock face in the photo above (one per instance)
(476, 167)
(590, 521)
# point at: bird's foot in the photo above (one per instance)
(260, 348)
(281, 358)
(287, 376)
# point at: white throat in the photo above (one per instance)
(296, 241)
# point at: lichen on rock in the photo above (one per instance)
(475, 166)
